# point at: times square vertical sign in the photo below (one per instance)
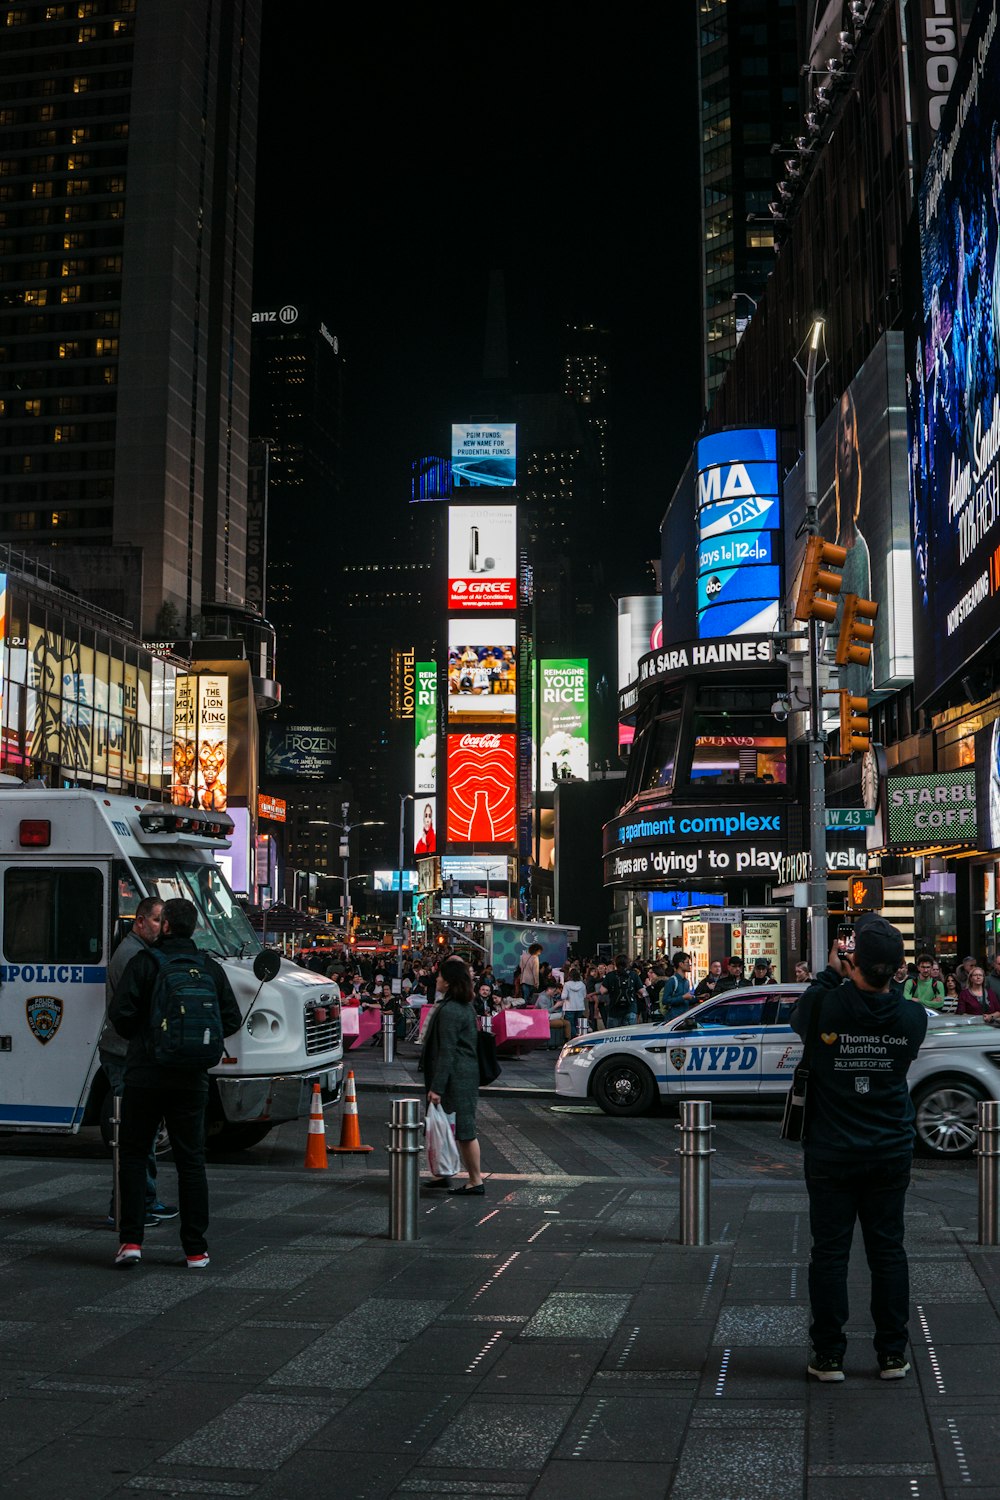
(739, 536)
(953, 374)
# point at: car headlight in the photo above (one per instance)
(573, 1049)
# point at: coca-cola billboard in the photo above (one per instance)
(482, 777)
(482, 557)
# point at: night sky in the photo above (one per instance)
(400, 161)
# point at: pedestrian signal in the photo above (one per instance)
(856, 631)
(855, 727)
(865, 893)
(817, 579)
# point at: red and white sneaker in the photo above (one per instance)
(197, 1262)
(129, 1255)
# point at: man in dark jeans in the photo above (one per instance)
(154, 1092)
(859, 1142)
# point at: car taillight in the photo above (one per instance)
(35, 833)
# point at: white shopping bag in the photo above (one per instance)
(442, 1153)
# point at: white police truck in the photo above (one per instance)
(74, 865)
(739, 1048)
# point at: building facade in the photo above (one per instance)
(127, 160)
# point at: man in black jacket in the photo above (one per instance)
(155, 1092)
(859, 1142)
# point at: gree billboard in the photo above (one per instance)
(563, 751)
(482, 557)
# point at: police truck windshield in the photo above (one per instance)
(222, 927)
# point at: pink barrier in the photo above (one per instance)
(515, 1028)
(358, 1025)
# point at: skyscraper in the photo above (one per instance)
(297, 411)
(127, 157)
(748, 86)
(585, 382)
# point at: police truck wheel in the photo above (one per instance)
(624, 1086)
(946, 1117)
(236, 1137)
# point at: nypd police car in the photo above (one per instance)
(740, 1048)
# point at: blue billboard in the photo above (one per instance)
(739, 520)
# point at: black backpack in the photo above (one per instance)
(184, 1015)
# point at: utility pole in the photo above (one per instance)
(818, 913)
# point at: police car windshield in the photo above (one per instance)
(222, 927)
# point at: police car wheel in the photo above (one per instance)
(946, 1117)
(623, 1086)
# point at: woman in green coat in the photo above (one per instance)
(450, 1064)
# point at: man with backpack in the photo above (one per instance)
(175, 1006)
(924, 989)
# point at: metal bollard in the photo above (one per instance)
(584, 1026)
(404, 1169)
(116, 1126)
(988, 1152)
(695, 1152)
(388, 1037)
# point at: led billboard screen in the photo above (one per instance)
(739, 538)
(425, 729)
(481, 788)
(201, 742)
(388, 880)
(482, 557)
(564, 749)
(482, 671)
(483, 456)
(425, 759)
(862, 499)
(953, 373)
(482, 867)
(301, 752)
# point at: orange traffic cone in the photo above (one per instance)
(316, 1139)
(350, 1130)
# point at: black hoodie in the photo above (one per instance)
(858, 1103)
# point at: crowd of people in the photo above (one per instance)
(625, 992)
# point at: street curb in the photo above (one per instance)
(418, 1088)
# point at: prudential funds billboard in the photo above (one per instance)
(953, 374)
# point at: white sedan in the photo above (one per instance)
(740, 1048)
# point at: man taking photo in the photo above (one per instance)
(174, 1004)
(859, 1141)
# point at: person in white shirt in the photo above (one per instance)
(573, 1000)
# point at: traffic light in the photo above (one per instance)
(865, 893)
(856, 634)
(855, 729)
(817, 579)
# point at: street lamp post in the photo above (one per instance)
(346, 829)
(818, 914)
(404, 798)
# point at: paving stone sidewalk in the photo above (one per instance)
(548, 1342)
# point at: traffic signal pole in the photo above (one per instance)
(818, 910)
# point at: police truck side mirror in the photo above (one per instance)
(266, 965)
